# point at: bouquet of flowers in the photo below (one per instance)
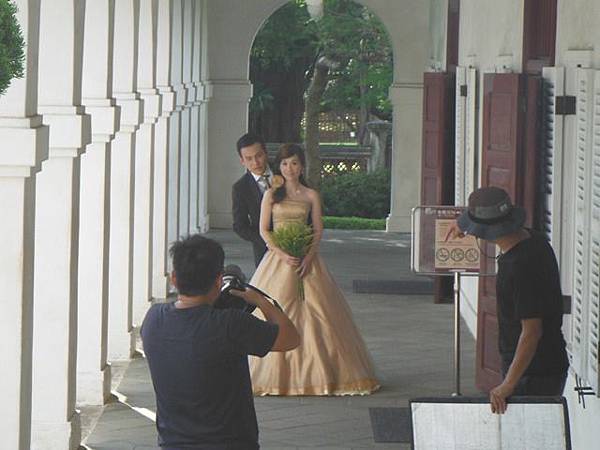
(295, 240)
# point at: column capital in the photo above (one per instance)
(228, 90)
(399, 92)
(26, 146)
(168, 100)
(106, 117)
(70, 129)
(132, 110)
(152, 104)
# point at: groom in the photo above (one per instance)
(247, 192)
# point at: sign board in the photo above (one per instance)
(467, 423)
(434, 252)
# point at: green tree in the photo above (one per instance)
(12, 55)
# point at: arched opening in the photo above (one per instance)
(324, 82)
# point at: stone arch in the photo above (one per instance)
(233, 26)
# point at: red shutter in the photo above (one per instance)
(502, 137)
(437, 159)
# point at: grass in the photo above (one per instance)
(353, 223)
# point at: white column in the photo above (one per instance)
(406, 99)
(144, 159)
(120, 339)
(55, 423)
(93, 370)
(197, 91)
(175, 129)
(226, 120)
(185, 187)
(202, 97)
(24, 145)
(161, 150)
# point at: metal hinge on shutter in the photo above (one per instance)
(565, 105)
(463, 90)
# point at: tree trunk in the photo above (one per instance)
(313, 108)
(363, 114)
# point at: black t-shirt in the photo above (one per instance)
(527, 287)
(198, 359)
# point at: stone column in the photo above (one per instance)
(120, 338)
(161, 150)
(93, 370)
(144, 159)
(406, 99)
(24, 145)
(188, 127)
(196, 179)
(175, 129)
(202, 99)
(55, 422)
(226, 116)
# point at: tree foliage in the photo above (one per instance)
(12, 55)
(348, 35)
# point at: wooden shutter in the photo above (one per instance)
(501, 154)
(437, 168)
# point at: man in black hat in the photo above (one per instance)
(528, 295)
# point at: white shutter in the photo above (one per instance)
(583, 138)
(472, 166)
(460, 197)
(552, 160)
(465, 134)
(594, 248)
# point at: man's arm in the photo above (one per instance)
(241, 221)
(287, 335)
(531, 332)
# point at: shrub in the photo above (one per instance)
(357, 194)
(353, 223)
(12, 43)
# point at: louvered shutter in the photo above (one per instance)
(460, 196)
(552, 159)
(594, 247)
(465, 134)
(583, 136)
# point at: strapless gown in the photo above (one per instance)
(332, 358)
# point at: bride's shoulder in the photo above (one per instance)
(312, 194)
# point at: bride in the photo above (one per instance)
(332, 358)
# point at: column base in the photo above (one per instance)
(93, 388)
(121, 347)
(398, 224)
(56, 436)
(160, 286)
(204, 223)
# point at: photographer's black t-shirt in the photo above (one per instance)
(527, 287)
(198, 359)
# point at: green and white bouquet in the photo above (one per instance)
(294, 239)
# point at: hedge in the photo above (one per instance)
(12, 55)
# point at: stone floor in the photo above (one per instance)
(410, 339)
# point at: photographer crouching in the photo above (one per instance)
(198, 354)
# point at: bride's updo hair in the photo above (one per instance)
(287, 151)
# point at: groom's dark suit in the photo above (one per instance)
(246, 198)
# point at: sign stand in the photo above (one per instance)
(433, 254)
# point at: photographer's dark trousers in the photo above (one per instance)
(539, 385)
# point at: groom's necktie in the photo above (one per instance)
(264, 183)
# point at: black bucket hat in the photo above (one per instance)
(490, 214)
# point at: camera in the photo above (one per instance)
(234, 278)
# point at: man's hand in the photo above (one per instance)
(498, 397)
(250, 295)
(454, 232)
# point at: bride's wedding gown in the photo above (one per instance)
(332, 358)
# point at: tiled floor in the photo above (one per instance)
(410, 339)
